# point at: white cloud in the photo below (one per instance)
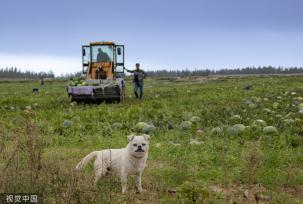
(59, 65)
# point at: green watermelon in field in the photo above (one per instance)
(252, 105)
(117, 125)
(236, 117)
(216, 131)
(288, 121)
(267, 110)
(298, 99)
(259, 122)
(185, 125)
(232, 131)
(195, 119)
(140, 126)
(29, 108)
(300, 106)
(149, 129)
(275, 105)
(236, 129)
(239, 127)
(199, 132)
(270, 130)
(170, 125)
(67, 123)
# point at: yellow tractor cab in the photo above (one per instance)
(103, 67)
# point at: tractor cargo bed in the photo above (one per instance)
(103, 92)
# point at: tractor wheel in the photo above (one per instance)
(70, 98)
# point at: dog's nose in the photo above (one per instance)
(139, 147)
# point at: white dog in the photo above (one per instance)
(125, 161)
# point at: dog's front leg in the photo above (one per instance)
(138, 182)
(124, 182)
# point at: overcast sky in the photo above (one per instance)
(45, 35)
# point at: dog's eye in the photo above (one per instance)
(143, 144)
(135, 145)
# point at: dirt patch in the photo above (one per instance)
(239, 193)
(296, 191)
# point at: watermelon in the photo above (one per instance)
(185, 125)
(232, 131)
(216, 131)
(194, 142)
(29, 108)
(170, 126)
(239, 127)
(84, 83)
(200, 132)
(288, 121)
(67, 123)
(117, 125)
(140, 126)
(260, 122)
(71, 83)
(236, 129)
(270, 130)
(149, 129)
(195, 119)
(267, 110)
(236, 117)
(300, 106)
(275, 105)
(252, 105)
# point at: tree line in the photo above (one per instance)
(14, 73)
(226, 71)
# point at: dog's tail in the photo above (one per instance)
(85, 160)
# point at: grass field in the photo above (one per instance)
(43, 137)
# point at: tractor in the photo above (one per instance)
(103, 68)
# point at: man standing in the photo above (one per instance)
(139, 75)
(102, 56)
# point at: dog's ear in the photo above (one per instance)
(130, 137)
(146, 137)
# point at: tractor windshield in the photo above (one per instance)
(102, 53)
